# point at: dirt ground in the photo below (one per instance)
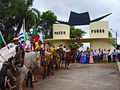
(82, 77)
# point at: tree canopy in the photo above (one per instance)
(47, 19)
(12, 13)
(77, 34)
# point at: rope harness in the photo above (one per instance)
(7, 81)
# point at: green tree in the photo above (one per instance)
(7, 19)
(76, 34)
(25, 11)
(110, 34)
(113, 43)
(47, 19)
(12, 13)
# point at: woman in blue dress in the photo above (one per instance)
(82, 57)
(87, 57)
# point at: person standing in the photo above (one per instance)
(91, 57)
(78, 56)
(87, 57)
(109, 56)
(64, 49)
(102, 56)
(82, 57)
(99, 55)
(118, 51)
(95, 56)
(114, 53)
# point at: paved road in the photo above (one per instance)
(82, 77)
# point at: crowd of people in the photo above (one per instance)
(32, 46)
(98, 56)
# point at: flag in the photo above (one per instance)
(34, 35)
(25, 35)
(22, 34)
(1, 38)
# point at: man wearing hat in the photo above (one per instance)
(32, 44)
(19, 57)
(15, 41)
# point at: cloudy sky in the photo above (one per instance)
(96, 8)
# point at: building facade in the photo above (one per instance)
(98, 36)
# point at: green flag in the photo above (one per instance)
(25, 35)
(1, 38)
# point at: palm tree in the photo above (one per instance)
(31, 15)
(12, 13)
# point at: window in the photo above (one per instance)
(100, 30)
(61, 32)
(97, 31)
(91, 31)
(57, 33)
(94, 31)
(64, 32)
(54, 32)
(103, 30)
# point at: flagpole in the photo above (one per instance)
(24, 23)
(25, 35)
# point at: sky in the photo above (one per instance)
(96, 8)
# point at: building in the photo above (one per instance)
(98, 36)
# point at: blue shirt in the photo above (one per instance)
(104, 52)
(114, 52)
(95, 53)
(118, 51)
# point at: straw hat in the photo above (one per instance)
(15, 39)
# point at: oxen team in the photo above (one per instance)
(16, 65)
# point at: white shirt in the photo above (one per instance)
(64, 49)
(109, 53)
(58, 48)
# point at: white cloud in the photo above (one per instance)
(96, 8)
